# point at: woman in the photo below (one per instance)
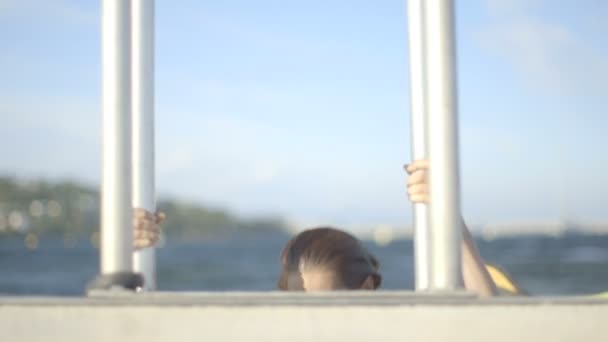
(324, 259)
(474, 273)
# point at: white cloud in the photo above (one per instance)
(62, 11)
(7, 5)
(502, 7)
(552, 57)
(50, 138)
(67, 115)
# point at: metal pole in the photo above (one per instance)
(417, 66)
(144, 261)
(444, 209)
(116, 213)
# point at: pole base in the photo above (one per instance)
(121, 281)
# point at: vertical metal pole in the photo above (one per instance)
(144, 260)
(444, 209)
(418, 99)
(116, 213)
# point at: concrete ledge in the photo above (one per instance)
(381, 316)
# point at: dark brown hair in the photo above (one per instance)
(332, 250)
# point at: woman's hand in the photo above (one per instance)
(146, 228)
(475, 275)
(417, 182)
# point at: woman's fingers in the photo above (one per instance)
(418, 190)
(420, 198)
(146, 228)
(418, 193)
(418, 177)
(143, 214)
(149, 227)
(417, 182)
(143, 219)
(144, 243)
(146, 237)
(146, 231)
(160, 217)
(421, 164)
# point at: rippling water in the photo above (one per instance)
(542, 265)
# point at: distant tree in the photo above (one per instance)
(71, 209)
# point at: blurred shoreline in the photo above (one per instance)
(35, 209)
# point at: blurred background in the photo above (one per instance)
(275, 116)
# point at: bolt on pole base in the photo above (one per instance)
(118, 281)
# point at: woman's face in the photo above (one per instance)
(320, 280)
(313, 281)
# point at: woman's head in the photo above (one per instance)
(324, 259)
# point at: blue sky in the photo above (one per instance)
(301, 107)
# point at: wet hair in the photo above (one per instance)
(330, 250)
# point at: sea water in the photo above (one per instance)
(566, 265)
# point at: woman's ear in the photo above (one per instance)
(282, 284)
(372, 282)
(285, 252)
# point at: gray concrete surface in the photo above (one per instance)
(382, 316)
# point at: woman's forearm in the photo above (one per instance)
(474, 273)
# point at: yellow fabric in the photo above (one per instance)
(505, 284)
(503, 281)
